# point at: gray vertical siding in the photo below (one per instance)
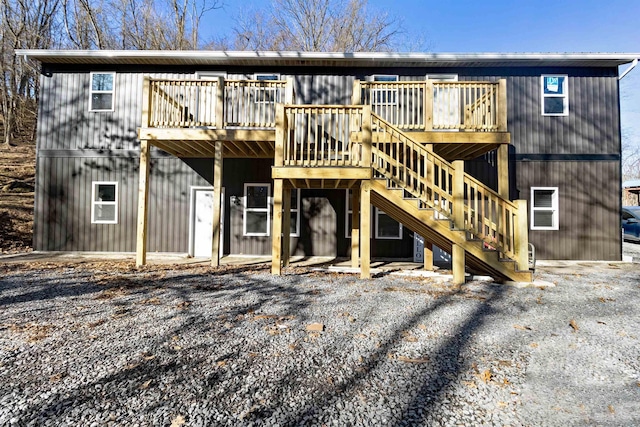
(63, 189)
(589, 205)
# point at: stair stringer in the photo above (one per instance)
(440, 233)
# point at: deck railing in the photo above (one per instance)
(215, 103)
(436, 105)
(326, 136)
(321, 135)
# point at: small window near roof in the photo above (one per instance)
(104, 202)
(102, 91)
(555, 97)
(544, 208)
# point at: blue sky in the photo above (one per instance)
(511, 26)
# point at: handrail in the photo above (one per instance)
(432, 180)
(436, 105)
(198, 103)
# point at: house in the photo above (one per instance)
(340, 154)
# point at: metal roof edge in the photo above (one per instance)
(55, 55)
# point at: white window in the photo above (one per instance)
(295, 213)
(104, 202)
(544, 208)
(102, 91)
(555, 98)
(387, 228)
(257, 209)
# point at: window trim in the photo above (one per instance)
(297, 211)
(554, 208)
(377, 232)
(92, 91)
(267, 210)
(256, 76)
(564, 96)
(95, 203)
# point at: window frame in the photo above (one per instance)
(296, 209)
(380, 212)
(555, 203)
(92, 92)
(564, 96)
(95, 203)
(266, 210)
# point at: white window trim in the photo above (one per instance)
(377, 233)
(564, 96)
(210, 75)
(256, 76)
(296, 209)
(267, 209)
(372, 78)
(442, 77)
(94, 202)
(554, 208)
(112, 92)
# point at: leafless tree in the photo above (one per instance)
(25, 24)
(317, 25)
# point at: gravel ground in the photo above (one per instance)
(105, 344)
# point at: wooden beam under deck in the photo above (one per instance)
(206, 149)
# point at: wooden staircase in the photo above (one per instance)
(446, 206)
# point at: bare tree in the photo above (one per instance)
(25, 24)
(317, 25)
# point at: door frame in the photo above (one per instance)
(192, 211)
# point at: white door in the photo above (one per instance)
(446, 103)
(202, 222)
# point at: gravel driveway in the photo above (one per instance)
(105, 344)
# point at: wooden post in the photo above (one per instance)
(366, 136)
(355, 227)
(276, 235)
(220, 103)
(428, 105)
(502, 105)
(503, 170)
(457, 264)
(281, 124)
(217, 204)
(365, 230)
(458, 194)
(356, 96)
(146, 102)
(143, 204)
(289, 91)
(428, 256)
(521, 238)
(286, 226)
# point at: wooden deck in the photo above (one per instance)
(414, 136)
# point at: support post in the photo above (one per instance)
(458, 194)
(281, 125)
(521, 238)
(276, 235)
(355, 227)
(286, 226)
(365, 230)
(366, 136)
(502, 105)
(356, 96)
(457, 261)
(428, 256)
(220, 103)
(146, 102)
(143, 203)
(428, 105)
(503, 171)
(217, 204)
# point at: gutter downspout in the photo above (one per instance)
(628, 70)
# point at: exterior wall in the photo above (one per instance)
(76, 146)
(589, 208)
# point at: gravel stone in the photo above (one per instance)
(106, 344)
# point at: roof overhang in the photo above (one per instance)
(323, 59)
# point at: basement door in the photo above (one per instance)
(201, 222)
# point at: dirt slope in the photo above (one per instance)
(17, 176)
